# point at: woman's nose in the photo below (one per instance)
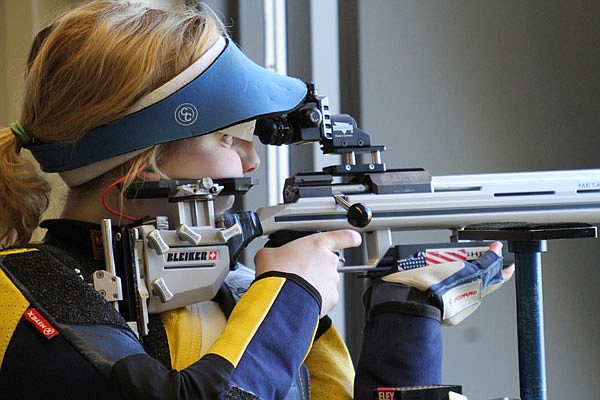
(250, 160)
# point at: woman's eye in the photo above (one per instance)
(227, 140)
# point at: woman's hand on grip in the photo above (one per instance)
(313, 258)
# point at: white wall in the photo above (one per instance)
(486, 86)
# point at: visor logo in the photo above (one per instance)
(186, 114)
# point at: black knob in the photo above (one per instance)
(359, 215)
(312, 117)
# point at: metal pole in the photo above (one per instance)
(530, 318)
(278, 159)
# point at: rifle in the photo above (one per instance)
(368, 197)
(167, 264)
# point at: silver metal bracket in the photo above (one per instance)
(108, 285)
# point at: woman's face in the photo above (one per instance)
(216, 155)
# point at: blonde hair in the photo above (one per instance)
(85, 70)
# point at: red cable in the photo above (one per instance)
(111, 187)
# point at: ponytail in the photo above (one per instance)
(24, 193)
(129, 49)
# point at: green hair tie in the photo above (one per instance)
(20, 133)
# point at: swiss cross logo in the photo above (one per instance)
(187, 256)
(40, 323)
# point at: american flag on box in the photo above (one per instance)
(417, 261)
(440, 256)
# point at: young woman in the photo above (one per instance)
(117, 92)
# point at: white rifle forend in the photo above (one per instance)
(444, 202)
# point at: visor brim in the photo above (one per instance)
(232, 90)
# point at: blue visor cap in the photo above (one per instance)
(233, 89)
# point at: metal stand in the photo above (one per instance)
(527, 242)
(530, 317)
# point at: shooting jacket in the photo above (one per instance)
(60, 339)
